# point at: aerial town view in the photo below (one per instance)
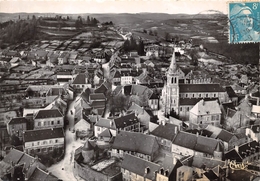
(129, 90)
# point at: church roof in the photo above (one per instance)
(189, 88)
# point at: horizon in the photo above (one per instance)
(112, 7)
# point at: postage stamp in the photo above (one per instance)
(244, 22)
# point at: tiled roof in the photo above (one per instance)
(137, 165)
(51, 113)
(167, 131)
(215, 130)
(136, 142)
(43, 134)
(98, 104)
(186, 88)
(206, 108)
(18, 120)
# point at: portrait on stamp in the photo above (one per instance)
(244, 19)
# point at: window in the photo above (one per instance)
(52, 122)
(32, 144)
(50, 141)
(39, 123)
(58, 122)
(181, 109)
(206, 95)
(38, 143)
(199, 95)
(56, 141)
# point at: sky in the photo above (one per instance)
(112, 6)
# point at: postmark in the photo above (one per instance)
(244, 22)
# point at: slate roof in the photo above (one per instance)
(225, 135)
(187, 88)
(50, 113)
(18, 120)
(231, 93)
(19, 157)
(193, 101)
(41, 175)
(210, 163)
(43, 134)
(107, 123)
(166, 131)
(197, 142)
(80, 79)
(255, 128)
(106, 133)
(137, 165)
(126, 120)
(136, 142)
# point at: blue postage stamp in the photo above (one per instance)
(244, 22)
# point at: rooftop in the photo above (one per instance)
(43, 134)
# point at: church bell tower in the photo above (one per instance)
(172, 87)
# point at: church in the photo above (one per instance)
(181, 96)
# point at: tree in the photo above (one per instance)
(144, 31)
(155, 33)
(167, 36)
(88, 20)
(140, 48)
(151, 32)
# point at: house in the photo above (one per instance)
(135, 143)
(59, 104)
(184, 173)
(240, 117)
(206, 112)
(83, 128)
(18, 165)
(135, 168)
(15, 61)
(165, 134)
(11, 54)
(72, 57)
(238, 89)
(82, 106)
(153, 103)
(189, 144)
(55, 92)
(143, 115)
(44, 141)
(53, 60)
(247, 152)
(128, 122)
(16, 126)
(64, 77)
(63, 58)
(81, 82)
(41, 54)
(116, 77)
(51, 118)
(253, 132)
(256, 110)
(229, 139)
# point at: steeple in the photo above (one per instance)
(173, 65)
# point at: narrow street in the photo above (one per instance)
(64, 169)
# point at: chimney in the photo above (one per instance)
(236, 148)
(174, 160)
(175, 129)
(111, 123)
(163, 122)
(197, 134)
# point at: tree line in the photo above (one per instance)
(17, 32)
(131, 45)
